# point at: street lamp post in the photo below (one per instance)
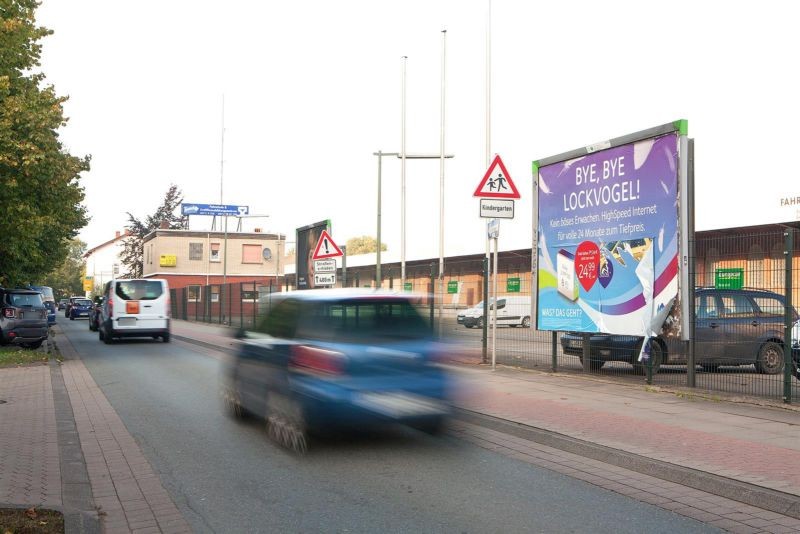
(402, 157)
(380, 155)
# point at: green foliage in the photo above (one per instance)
(133, 251)
(67, 279)
(363, 245)
(40, 205)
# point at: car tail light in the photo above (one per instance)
(110, 308)
(169, 306)
(316, 360)
(9, 313)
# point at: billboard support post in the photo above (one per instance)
(788, 359)
(485, 329)
(691, 378)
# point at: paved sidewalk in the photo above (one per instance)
(62, 446)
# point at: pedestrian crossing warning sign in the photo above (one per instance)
(496, 182)
(326, 248)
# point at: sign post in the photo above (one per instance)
(497, 192)
(324, 257)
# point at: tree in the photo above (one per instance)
(164, 217)
(67, 279)
(40, 193)
(363, 245)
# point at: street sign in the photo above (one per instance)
(326, 248)
(496, 182)
(324, 279)
(512, 285)
(325, 266)
(408, 286)
(729, 278)
(497, 208)
(452, 286)
(493, 229)
(88, 284)
(214, 209)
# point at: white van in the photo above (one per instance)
(135, 308)
(511, 311)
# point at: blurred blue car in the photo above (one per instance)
(332, 359)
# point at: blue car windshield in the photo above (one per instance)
(83, 302)
(361, 320)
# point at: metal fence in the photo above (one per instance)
(739, 334)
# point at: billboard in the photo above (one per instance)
(608, 241)
(307, 238)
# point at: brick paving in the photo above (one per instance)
(718, 511)
(127, 492)
(655, 425)
(30, 472)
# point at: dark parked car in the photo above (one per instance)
(80, 307)
(325, 359)
(62, 304)
(732, 327)
(49, 302)
(23, 318)
(94, 314)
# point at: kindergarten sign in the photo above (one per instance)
(608, 239)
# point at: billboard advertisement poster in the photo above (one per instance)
(307, 238)
(608, 239)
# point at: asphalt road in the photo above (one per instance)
(225, 475)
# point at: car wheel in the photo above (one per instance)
(71, 318)
(770, 358)
(231, 402)
(286, 423)
(709, 367)
(594, 363)
(468, 325)
(100, 335)
(526, 322)
(34, 345)
(480, 322)
(656, 356)
(165, 337)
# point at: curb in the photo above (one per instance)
(760, 497)
(80, 515)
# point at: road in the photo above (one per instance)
(225, 476)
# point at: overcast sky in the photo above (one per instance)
(313, 88)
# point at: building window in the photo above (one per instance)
(214, 293)
(193, 294)
(249, 291)
(251, 253)
(214, 252)
(195, 251)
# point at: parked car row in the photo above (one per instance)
(733, 327)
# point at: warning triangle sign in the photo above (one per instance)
(496, 183)
(326, 248)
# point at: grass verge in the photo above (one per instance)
(16, 356)
(21, 521)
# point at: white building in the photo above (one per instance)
(103, 261)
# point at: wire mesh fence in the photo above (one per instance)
(747, 291)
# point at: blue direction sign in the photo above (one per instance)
(214, 209)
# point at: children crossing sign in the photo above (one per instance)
(496, 183)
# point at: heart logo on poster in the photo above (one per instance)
(587, 264)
